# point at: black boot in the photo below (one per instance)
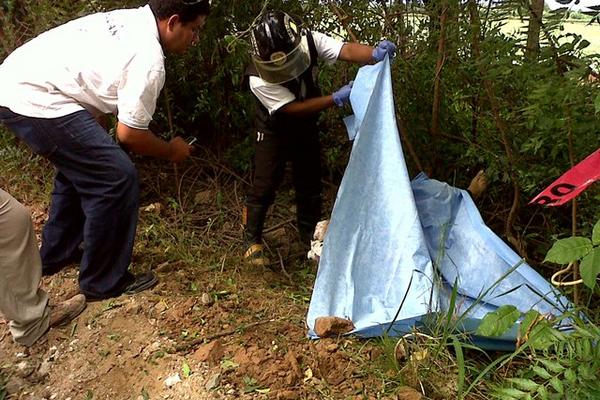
(253, 220)
(308, 214)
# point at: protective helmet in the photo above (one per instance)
(279, 48)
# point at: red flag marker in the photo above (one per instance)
(571, 183)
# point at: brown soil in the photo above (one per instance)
(227, 330)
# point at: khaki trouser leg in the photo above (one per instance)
(21, 300)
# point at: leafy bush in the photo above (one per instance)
(577, 248)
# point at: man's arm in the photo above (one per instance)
(146, 143)
(307, 107)
(356, 53)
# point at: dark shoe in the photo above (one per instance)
(255, 255)
(64, 312)
(141, 282)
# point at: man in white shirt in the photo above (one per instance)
(54, 87)
(288, 101)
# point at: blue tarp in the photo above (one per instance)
(394, 242)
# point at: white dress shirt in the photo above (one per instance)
(106, 63)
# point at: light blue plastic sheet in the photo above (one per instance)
(374, 245)
(386, 234)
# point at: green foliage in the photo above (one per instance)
(567, 370)
(497, 322)
(587, 251)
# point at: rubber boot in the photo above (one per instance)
(253, 220)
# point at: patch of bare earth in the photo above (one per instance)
(205, 332)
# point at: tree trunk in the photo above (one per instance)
(536, 11)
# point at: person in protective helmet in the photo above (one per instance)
(288, 101)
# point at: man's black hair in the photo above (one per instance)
(188, 10)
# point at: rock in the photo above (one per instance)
(287, 395)
(206, 299)
(160, 306)
(213, 382)
(15, 385)
(332, 326)
(204, 197)
(44, 369)
(153, 208)
(211, 352)
(293, 361)
(24, 369)
(331, 347)
(408, 393)
(172, 380)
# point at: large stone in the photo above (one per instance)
(332, 326)
(408, 393)
(213, 382)
(211, 352)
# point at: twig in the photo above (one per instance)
(343, 20)
(191, 345)
(175, 169)
(279, 225)
(407, 142)
(283, 267)
(437, 95)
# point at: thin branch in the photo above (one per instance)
(344, 18)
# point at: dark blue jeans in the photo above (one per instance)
(95, 198)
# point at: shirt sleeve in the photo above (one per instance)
(138, 92)
(271, 95)
(328, 48)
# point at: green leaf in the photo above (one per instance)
(596, 230)
(570, 376)
(460, 361)
(541, 372)
(564, 251)
(524, 384)
(497, 322)
(557, 385)
(145, 394)
(597, 104)
(590, 267)
(542, 336)
(543, 392)
(553, 366)
(228, 364)
(186, 370)
(530, 317)
(508, 393)
(583, 44)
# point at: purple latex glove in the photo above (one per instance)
(342, 95)
(384, 47)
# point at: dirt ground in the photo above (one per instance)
(211, 329)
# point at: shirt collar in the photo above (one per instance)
(151, 20)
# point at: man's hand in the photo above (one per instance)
(384, 47)
(342, 96)
(179, 150)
